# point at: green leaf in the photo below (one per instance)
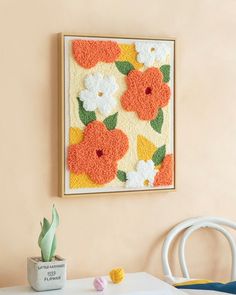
(44, 228)
(53, 249)
(85, 116)
(158, 121)
(165, 69)
(159, 155)
(121, 175)
(111, 121)
(47, 239)
(124, 67)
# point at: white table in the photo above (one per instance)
(140, 283)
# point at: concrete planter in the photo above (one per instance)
(43, 276)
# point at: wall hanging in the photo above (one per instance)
(116, 114)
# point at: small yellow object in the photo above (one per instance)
(117, 275)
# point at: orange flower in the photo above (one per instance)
(88, 53)
(98, 153)
(165, 175)
(146, 93)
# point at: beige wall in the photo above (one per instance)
(98, 233)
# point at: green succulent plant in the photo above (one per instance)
(47, 238)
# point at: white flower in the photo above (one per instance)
(143, 176)
(149, 52)
(99, 93)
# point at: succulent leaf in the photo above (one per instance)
(53, 249)
(47, 239)
(44, 228)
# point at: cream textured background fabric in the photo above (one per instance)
(128, 122)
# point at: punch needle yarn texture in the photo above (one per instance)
(120, 134)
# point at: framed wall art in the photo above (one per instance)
(117, 118)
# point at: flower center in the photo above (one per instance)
(146, 182)
(148, 90)
(152, 49)
(99, 153)
(100, 93)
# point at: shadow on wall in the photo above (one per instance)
(205, 263)
(153, 254)
(54, 121)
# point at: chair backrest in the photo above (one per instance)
(188, 227)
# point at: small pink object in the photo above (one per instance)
(100, 284)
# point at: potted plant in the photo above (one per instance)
(47, 272)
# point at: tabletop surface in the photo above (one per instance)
(140, 283)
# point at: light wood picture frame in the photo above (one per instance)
(116, 114)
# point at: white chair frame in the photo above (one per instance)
(188, 227)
